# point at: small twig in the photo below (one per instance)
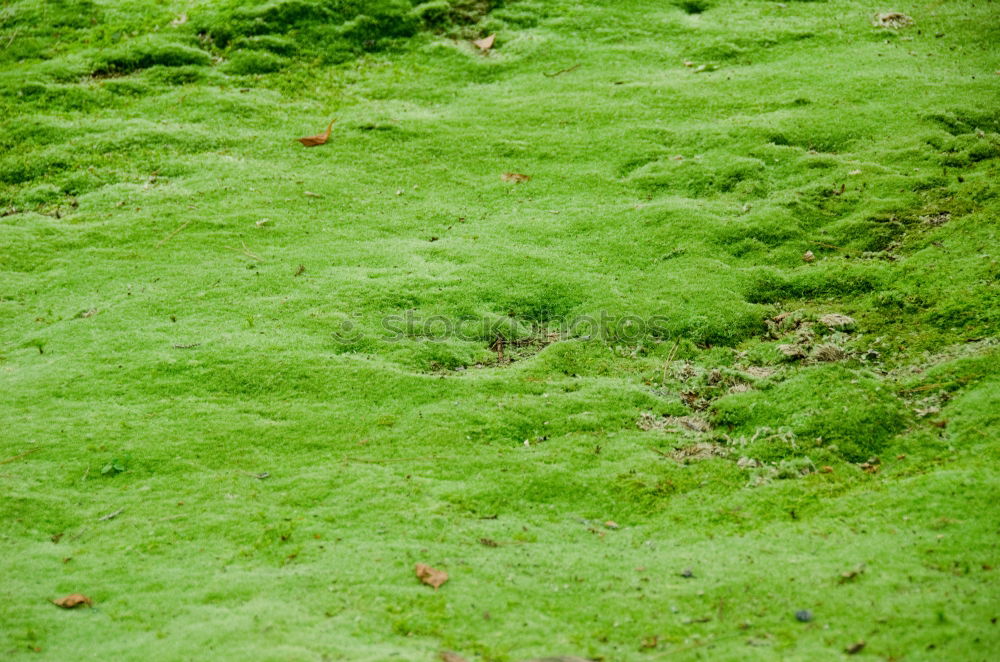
(195, 344)
(826, 245)
(174, 233)
(562, 71)
(659, 452)
(113, 515)
(19, 456)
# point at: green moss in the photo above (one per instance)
(147, 52)
(219, 316)
(828, 407)
(254, 62)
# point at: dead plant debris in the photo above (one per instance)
(430, 576)
(515, 177)
(893, 20)
(687, 424)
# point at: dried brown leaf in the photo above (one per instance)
(448, 656)
(486, 43)
(430, 576)
(73, 600)
(319, 139)
(515, 177)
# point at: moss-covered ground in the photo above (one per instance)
(729, 355)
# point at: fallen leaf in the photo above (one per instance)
(430, 576)
(319, 139)
(310, 194)
(855, 648)
(486, 43)
(262, 222)
(488, 542)
(611, 524)
(826, 469)
(854, 172)
(73, 600)
(448, 656)
(180, 20)
(301, 270)
(515, 177)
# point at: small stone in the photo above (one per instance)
(687, 573)
(803, 615)
(808, 256)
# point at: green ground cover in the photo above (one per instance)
(730, 353)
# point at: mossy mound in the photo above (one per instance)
(848, 413)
